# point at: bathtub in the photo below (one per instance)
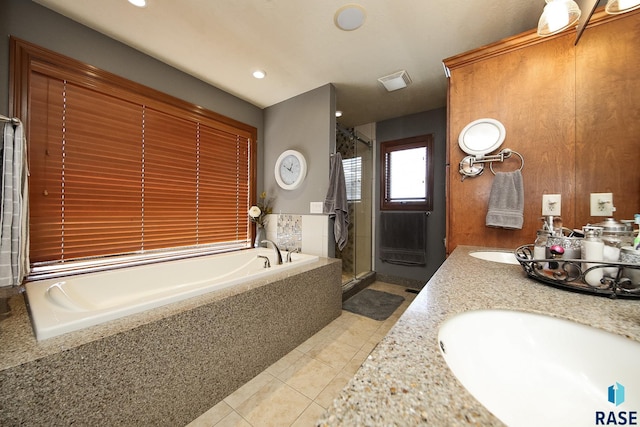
(62, 305)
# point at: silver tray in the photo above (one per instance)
(569, 275)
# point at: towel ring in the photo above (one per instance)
(506, 154)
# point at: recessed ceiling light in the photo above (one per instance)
(259, 74)
(138, 3)
(349, 17)
(338, 113)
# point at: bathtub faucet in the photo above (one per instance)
(296, 250)
(267, 263)
(278, 254)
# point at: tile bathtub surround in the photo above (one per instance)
(405, 381)
(297, 389)
(310, 232)
(289, 231)
(166, 366)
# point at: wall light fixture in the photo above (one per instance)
(557, 16)
(615, 7)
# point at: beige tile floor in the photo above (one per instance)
(297, 389)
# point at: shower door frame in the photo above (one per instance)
(356, 273)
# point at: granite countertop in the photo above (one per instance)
(405, 380)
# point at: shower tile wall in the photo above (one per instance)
(346, 254)
(346, 147)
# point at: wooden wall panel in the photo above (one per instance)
(552, 98)
(608, 117)
(531, 92)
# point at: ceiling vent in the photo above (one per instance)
(395, 81)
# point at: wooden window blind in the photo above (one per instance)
(117, 168)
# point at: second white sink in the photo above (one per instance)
(536, 370)
(503, 257)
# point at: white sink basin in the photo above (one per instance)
(536, 370)
(503, 257)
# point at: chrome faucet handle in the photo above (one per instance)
(296, 250)
(267, 263)
(278, 254)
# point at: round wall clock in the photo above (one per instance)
(290, 170)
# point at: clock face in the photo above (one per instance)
(290, 170)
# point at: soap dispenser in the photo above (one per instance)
(592, 250)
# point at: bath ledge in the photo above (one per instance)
(210, 344)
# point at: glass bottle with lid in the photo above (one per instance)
(540, 245)
(614, 235)
(592, 250)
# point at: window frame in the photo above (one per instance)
(27, 57)
(388, 147)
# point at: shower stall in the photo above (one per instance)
(357, 154)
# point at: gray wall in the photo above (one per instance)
(429, 122)
(39, 25)
(305, 123)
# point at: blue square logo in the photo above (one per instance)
(616, 394)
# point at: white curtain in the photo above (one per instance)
(14, 239)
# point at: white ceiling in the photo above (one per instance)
(296, 42)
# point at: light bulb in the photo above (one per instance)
(557, 16)
(259, 74)
(614, 7)
(138, 3)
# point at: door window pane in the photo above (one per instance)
(407, 174)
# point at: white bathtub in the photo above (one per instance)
(63, 305)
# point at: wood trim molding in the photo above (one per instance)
(22, 51)
(528, 38)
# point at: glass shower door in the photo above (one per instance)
(357, 159)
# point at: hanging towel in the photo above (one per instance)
(506, 201)
(335, 203)
(403, 238)
(14, 239)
